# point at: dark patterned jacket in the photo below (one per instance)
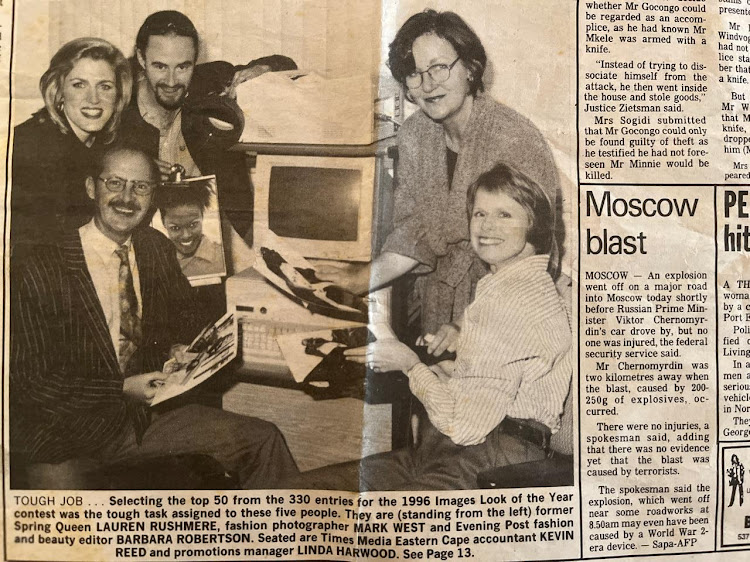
(65, 383)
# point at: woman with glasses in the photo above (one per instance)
(458, 134)
(85, 90)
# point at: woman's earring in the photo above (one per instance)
(409, 97)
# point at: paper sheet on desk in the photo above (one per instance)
(214, 347)
(304, 108)
(298, 348)
(299, 362)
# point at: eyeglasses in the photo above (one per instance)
(439, 73)
(140, 187)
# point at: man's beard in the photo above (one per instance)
(171, 102)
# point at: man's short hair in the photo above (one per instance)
(98, 166)
(524, 191)
(167, 22)
(170, 195)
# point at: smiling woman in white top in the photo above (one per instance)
(182, 206)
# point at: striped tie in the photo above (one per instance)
(130, 322)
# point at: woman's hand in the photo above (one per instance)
(445, 339)
(361, 278)
(384, 355)
(354, 277)
(444, 370)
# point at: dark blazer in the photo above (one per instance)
(65, 383)
(49, 171)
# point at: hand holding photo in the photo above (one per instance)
(211, 350)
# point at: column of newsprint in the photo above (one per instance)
(647, 370)
(664, 243)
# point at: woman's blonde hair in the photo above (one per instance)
(51, 82)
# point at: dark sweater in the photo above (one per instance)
(48, 193)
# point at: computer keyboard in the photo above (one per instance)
(258, 342)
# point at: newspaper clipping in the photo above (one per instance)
(361, 280)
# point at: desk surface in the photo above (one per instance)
(381, 388)
(388, 390)
(352, 150)
(318, 432)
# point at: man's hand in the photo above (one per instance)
(164, 168)
(384, 355)
(142, 388)
(445, 339)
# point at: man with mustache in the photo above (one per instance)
(94, 319)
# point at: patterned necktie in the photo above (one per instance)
(130, 322)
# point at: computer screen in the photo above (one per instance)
(315, 203)
(322, 206)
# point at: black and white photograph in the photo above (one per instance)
(209, 352)
(290, 249)
(316, 357)
(376, 280)
(188, 214)
(297, 278)
(460, 212)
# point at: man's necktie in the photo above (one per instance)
(130, 322)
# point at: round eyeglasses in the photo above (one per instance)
(140, 187)
(439, 73)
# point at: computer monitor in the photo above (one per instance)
(321, 206)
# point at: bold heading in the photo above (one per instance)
(736, 236)
(607, 242)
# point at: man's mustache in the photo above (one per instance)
(168, 87)
(131, 206)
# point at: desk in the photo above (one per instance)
(330, 430)
(343, 426)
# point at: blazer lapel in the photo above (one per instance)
(83, 287)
